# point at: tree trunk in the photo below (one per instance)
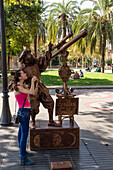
(50, 64)
(112, 53)
(0, 63)
(35, 46)
(9, 49)
(8, 61)
(112, 56)
(103, 49)
(82, 61)
(85, 63)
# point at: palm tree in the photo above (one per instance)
(110, 17)
(54, 26)
(98, 25)
(79, 24)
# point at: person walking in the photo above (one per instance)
(21, 93)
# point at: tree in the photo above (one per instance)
(110, 33)
(23, 20)
(16, 33)
(54, 26)
(97, 24)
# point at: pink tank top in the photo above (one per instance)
(20, 99)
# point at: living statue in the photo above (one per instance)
(34, 67)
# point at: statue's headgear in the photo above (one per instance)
(24, 53)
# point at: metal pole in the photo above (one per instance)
(5, 115)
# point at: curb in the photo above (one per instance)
(76, 87)
(82, 87)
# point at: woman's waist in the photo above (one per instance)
(27, 104)
(25, 109)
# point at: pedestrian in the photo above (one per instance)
(88, 69)
(99, 69)
(72, 71)
(81, 73)
(76, 75)
(96, 69)
(21, 93)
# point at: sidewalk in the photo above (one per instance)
(95, 120)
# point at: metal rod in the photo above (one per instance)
(63, 40)
(81, 34)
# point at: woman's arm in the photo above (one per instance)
(32, 89)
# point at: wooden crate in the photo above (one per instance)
(62, 165)
(44, 137)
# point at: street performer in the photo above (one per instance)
(34, 67)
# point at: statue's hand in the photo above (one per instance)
(50, 46)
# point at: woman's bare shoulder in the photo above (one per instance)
(16, 92)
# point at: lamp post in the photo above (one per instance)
(5, 115)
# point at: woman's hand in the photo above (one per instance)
(36, 85)
(33, 90)
(34, 79)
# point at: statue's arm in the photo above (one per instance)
(43, 62)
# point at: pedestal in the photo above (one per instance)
(44, 137)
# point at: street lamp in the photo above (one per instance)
(6, 115)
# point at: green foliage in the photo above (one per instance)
(109, 62)
(99, 23)
(22, 22)
(25, 20)
(55, 61)
(54, 22)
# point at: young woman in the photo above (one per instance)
(21, 93)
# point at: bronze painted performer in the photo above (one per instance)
(34, 67)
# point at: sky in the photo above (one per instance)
(85, 5)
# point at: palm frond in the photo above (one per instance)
(74, 26)
(85, 11)
(82, 1)
(93, 43)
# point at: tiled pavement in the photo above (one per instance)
(95, 120)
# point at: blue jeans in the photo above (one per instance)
(23, 131)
